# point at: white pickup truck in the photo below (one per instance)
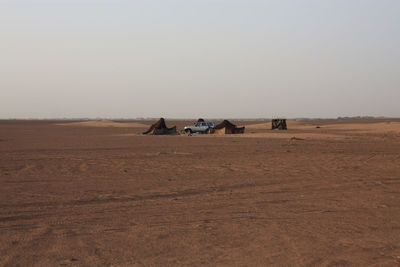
(200, 127)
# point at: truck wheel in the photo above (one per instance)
(188, 131)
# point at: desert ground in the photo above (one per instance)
(97, 193)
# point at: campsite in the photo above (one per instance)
(102, 193)
(199, 133)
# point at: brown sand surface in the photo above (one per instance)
(84, 196)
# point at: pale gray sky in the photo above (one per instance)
(204, 58)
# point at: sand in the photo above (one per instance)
(81, 196)
(377, 127)
(105, 123)
(380, 127)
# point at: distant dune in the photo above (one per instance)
(106, 123)
(379, 127)
(370, 127)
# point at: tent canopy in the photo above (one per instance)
(225, 124)
(226, 127)
(160, 127)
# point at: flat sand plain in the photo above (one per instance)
(98, 193)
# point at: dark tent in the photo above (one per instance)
(279, 124)
(160, 128)
(225, 124)
(226, 127)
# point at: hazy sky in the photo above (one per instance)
(199, 58)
